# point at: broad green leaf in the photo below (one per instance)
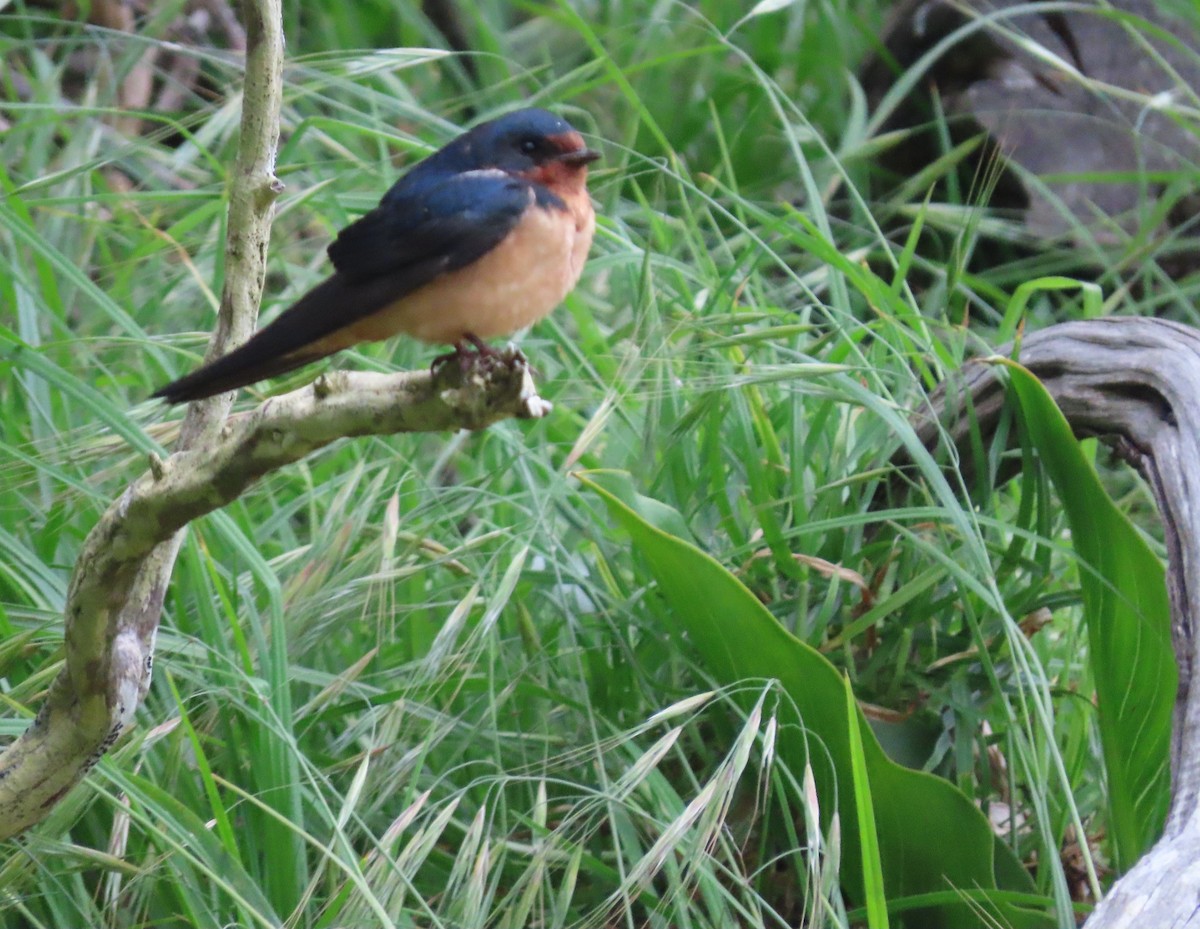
(931, 838)
(1129, 633)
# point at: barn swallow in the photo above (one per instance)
(480, 239)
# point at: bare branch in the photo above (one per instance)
(252, 192)
(120, 578)
(114, 605)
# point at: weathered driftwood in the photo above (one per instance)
(1136, 384)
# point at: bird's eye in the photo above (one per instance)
(529, 146)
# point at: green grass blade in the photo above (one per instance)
(872, 865)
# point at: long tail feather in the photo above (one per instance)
(296, 338)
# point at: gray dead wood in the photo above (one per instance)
(1136, 384)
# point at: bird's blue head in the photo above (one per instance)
(530, 143)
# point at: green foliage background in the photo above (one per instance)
(422, 681)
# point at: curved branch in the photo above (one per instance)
(120, 577)
(117, 589)
(285, 429)
(1135, 383)
(114, 606)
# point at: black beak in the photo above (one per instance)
(578, 158)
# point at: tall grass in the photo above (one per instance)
(419, 681)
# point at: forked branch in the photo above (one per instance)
(117, 589)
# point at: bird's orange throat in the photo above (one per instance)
(561, 178)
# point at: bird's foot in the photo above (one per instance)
(483, 355)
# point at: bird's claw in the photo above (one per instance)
(483, 356)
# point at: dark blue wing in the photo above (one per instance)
(425, 227)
